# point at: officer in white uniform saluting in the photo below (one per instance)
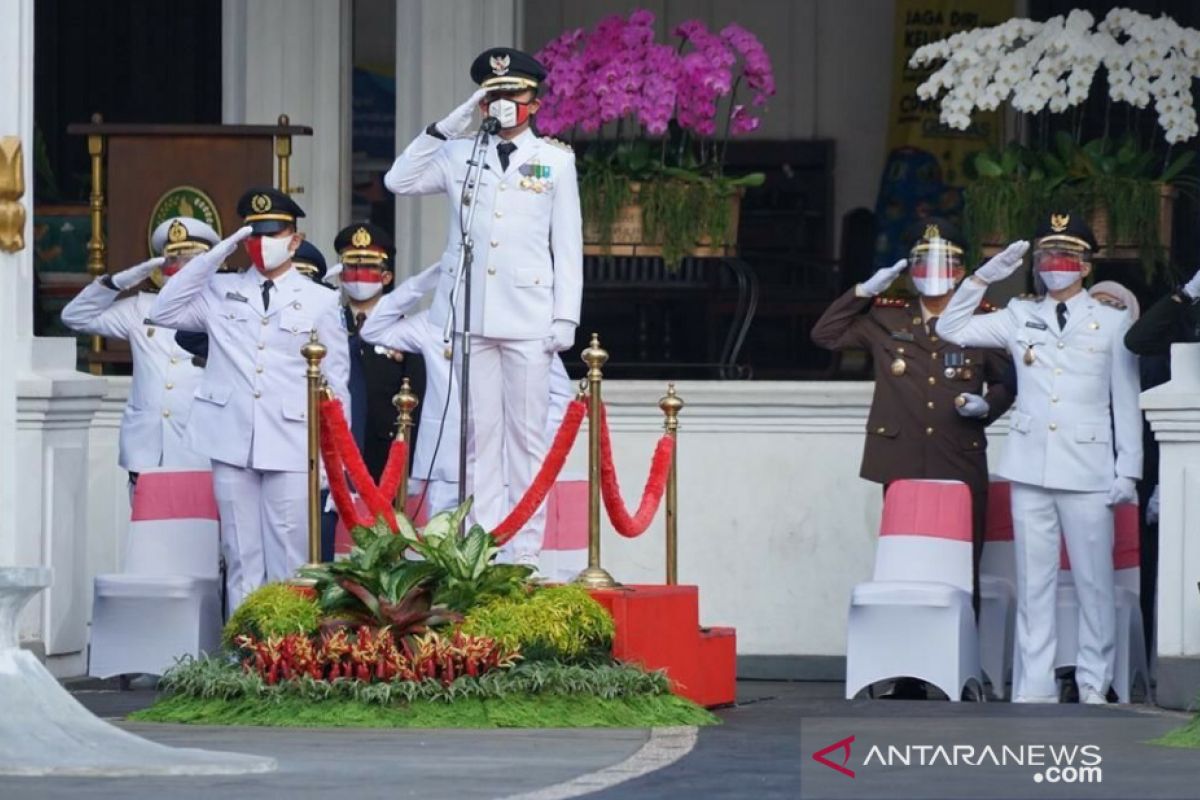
(164, 378)
(526, 280)
(1074, 449)
(250, 413)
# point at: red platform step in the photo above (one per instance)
(659, 628)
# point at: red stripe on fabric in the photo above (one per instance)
(937, 509)
(174, 495)
(999, 512)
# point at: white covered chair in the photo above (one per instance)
(1130, 652)
(914, 619)
(167, 602)
(998, 590)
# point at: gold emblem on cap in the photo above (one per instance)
(932, 232)
(260, 203)
(361, 238)
(499, 64)
(177, 232)
(1059, 222)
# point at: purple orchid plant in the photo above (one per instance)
(658, 114)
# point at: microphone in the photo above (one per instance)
(490, 125)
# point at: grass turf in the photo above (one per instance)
(1187, 736)
(515, 711)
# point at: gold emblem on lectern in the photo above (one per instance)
(361, 238)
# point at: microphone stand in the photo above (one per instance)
(466, 258)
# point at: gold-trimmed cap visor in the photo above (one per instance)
(508, 83)
(1063, 241)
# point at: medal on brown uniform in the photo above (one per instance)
(898, 366)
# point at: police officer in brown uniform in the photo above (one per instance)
(933, 399)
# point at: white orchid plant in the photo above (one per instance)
(1051, 66)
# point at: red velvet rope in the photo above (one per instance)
(656, 483)
(335, 470)
(389, 482)
(535, 495)
(348, 459)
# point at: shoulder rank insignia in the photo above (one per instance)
(559, 144)
(1112, 302)
(890, 302)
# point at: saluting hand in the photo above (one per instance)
(1192, 287)
(224, 248)
(879, 282)
(1005, 263)
(128, 278)
(457, 121)
(971, 405)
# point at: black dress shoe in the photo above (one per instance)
(1068, 691)
(906, 689)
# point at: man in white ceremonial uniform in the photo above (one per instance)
(526, 279)
(164, 378)
(250, 414)
(435, 456)
(1074, 448)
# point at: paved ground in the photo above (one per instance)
(764, 749)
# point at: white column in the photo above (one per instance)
(1173, 410)
(293, 57)
(436, 41)
(46, 406)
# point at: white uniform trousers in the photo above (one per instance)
(1086, 523)
(438, 495)
(510, 393)
(264, 521)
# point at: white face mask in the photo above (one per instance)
(361, 290)
(1057, 280)
(505, 112)
(276, 251)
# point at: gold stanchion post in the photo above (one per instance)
(96, 251)
(595, 576)
(671, 405)
(313, 352)
(406, 402)
(283, 154)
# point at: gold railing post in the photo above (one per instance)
(283, 154)
(671, 405)
(313, 352)
(595, 576)
(406, 402)
(96, 251)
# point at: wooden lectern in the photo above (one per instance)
(152, 172)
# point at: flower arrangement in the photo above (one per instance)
(1047, 68)
(663, 115)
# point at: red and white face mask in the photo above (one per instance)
(269, 252)
(361, 283)
(509, 113)
(1058, 269)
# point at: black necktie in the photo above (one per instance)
(504, 150)
(1061, 310)
(267, 284)
(359, 319)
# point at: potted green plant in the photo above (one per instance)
(652, 179)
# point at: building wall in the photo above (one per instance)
(832, 62)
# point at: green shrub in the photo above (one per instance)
(273, 610)
(560, 623)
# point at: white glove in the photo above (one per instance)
(1003, 264)
(1152, 508)
(972, 405)
(1123, 490)
(1192, 287)
(129, 278)
(226, 247)
(881, 280)
(562, 336)
(457, 121)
